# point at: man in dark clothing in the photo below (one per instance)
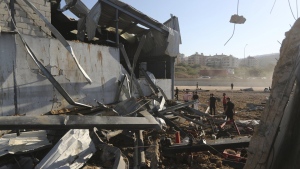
(195, 97)
(231, 86)
(212, 104)
(176, 93)
(224, 101)
(229, 112)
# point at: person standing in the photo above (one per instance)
(224, 101)
(176, 93)
(229, 111)
(212, 104)
(231, 86)
(186, 96)
(196, 97)
(197, 86)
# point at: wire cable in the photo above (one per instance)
(291, 10)
(297, 7)
(231, 35)
(237, 8)
(273, 6)
(237, 12)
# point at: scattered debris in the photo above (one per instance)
(137, 126)
(247, 89)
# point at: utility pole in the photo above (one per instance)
(244, 54)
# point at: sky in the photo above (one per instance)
(205, 26)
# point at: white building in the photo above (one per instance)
(222, 61)
(249, 62)
(229, 62)
(179, 59)
(197, 59)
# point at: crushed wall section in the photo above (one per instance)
(27, 23)
(36, 95)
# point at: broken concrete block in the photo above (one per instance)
(237, 19)
(72, 151)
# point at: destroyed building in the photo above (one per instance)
(53, 64)
(69, 86)
(86, 57)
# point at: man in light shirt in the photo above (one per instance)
(186, 96)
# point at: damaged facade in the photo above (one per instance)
(72, 88)
(98, 54)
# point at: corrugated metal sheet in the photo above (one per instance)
(26, 142)
(71, 151)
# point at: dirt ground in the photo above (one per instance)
(248, 104)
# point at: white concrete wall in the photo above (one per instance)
(36, 95)
(27, 23)
(165, 84)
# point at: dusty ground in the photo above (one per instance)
(248, 104)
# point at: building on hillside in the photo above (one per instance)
(222, 61)
(249, 62)
(179, 59)
(229, 62)
(196, 58)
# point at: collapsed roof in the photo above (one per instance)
(99, 24)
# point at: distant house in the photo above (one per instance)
(197, 59)
(222, 61)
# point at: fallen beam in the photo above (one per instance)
(214, 146)
(78, 122)
(169, 109)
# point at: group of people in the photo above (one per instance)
(228, 106)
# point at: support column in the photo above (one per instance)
(117, 28)
(172, 70)
(12, 11)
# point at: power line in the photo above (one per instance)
(273, 6)
(237, 12)
(231, 35)
(291, 9)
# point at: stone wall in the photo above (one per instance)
(27, 21)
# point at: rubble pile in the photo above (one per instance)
(138, 126)
(179, 137)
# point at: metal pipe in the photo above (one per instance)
(15, 95)
(172, 67)
(78, 122)
(244, 54)
(12, 11)
(117, 27)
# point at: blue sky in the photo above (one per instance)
(205, 25)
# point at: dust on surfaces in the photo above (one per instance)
(100, 56)
(89, 47)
